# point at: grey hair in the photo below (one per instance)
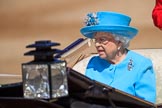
(122, 39)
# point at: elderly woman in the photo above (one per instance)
(116, 65)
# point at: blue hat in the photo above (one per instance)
(111, 22)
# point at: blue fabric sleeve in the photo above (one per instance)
(145, 86)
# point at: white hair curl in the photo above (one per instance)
(122, 39)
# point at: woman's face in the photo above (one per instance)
(106, 45)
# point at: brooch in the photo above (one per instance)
(130, 65)
(91, 19)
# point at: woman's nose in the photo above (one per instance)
(97, 44)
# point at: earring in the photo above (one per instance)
(119, 48)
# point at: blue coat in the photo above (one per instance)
(134, 75)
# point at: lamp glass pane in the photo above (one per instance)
(59, 80)
(36, 81)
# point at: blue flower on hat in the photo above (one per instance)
(91, 19)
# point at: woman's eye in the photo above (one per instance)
(103, 39)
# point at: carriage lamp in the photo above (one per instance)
(44, 77)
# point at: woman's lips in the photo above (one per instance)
(100, 51)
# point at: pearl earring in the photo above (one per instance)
(119, 48)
